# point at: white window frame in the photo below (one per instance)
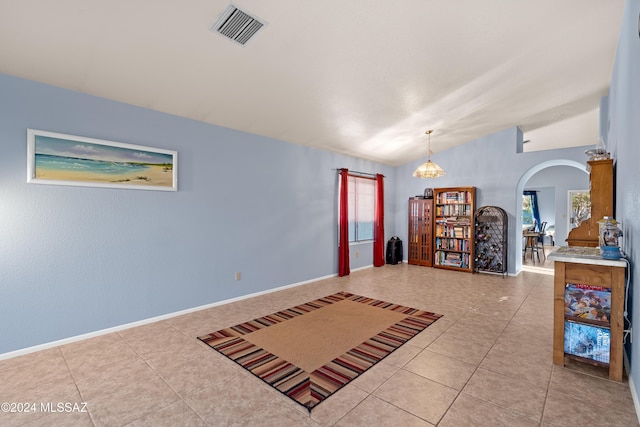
(361, 188)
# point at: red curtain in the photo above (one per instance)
(343, 244)
(378, 223)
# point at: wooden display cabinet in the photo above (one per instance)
(584, 266)
(601, 190)
(420, 247)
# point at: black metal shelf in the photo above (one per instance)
(491, 237)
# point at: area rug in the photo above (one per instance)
(310, 351)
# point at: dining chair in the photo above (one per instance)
(540, 242)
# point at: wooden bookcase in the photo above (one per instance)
(584, 266)
(420, 247)
(454, 231)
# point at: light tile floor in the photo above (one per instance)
(540, 261)
(487, 362)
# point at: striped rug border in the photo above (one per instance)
(310, 388)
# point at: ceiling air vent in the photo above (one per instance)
(236, 25)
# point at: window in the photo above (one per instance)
(530, 210)
(527, 211)
(579, 207)
(361, 206)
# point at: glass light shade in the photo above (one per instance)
(428, 170)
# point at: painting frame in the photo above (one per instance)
(61, 159)
(578, 207)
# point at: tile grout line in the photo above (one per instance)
(75, 383)
(484, 357)
(180, 397)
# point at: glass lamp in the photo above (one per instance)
(429, 169)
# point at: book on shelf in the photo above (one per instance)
(452, 244)
(454, 220)
(587, 302)
(454, 197)
(453, 210)
(587, 341)
(452, 259)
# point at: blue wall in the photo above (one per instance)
(623, 139)
(75, 259)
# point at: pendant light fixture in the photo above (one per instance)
(429, 169)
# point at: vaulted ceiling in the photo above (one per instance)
(361, 77)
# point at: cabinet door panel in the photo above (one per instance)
(420, 233)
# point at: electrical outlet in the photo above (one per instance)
(237, 275)
(357, 254)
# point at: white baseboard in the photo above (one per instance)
(634, 396)
(98, 333)
(362, 268)
(632, 386)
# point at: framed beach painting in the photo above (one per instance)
(59, 159)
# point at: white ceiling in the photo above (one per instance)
(361, 77)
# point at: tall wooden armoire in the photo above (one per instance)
(420, 247)
(601, 189)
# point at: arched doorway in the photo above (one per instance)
(517, 229)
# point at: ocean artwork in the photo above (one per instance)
(71, 160)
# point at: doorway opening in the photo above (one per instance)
(551, 181)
